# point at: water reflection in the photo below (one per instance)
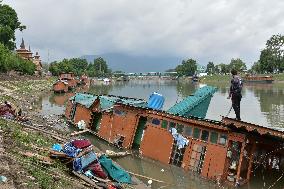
(261, 104)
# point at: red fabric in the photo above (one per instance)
(81, 143)
(111, 187)
(97, 169)
(5, 109)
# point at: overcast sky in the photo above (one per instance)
(204, 30)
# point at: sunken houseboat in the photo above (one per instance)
(227, 150)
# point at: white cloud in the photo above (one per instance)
(205, 30)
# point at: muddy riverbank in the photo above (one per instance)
(15, 139)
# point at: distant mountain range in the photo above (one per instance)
(129, 63)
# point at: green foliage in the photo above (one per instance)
(9, 23)
(237, 64)
(80, 66)
(187, 68)
(99, 68)
(255, 68)
(210, 69)
(76, 65)
(272, 57)
(11, 61)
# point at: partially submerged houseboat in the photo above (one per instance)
(65, 82)
(227, 150)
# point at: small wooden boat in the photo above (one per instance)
(259, 79)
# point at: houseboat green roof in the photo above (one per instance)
(106, 102)
(195, 104)
(84, 99)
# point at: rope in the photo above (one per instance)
(276, 181)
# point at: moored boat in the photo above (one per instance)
(259, 79)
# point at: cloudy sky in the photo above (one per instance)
(205, 30)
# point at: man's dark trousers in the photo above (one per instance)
(236, 101)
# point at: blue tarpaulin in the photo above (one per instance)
(156, 101)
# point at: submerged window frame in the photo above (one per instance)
(199, 132)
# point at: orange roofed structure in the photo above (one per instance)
(28, 55)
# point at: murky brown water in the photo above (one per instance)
(262, 104)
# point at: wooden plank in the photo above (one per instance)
(79, 132)
(86, 179)
(149, 178)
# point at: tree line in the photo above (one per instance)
(271, 60)
(189, 67)
(97, 68)
(9, 60)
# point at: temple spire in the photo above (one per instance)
(22, 44)
(30, 48)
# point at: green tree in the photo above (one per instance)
(11, 61)
(210, 69)
(238, 65)
(187, 68)
(101, 67)
(80, 66)
(272, 57)
(9, 23)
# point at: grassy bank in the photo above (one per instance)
(24, 92)
(30, 172)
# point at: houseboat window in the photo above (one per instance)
(223, 139)
(118, 112)
(196, 133)
(165, 124)
(156, 122)
(214, 137)
(180, 128)
(172, 125)
(204, 135)
(188, 131)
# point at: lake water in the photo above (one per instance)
(262, 104)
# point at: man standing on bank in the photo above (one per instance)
(235, 93)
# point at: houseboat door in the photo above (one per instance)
(96, 121)
(197, 157)
(139, 132)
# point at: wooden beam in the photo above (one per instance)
(79, 132)
(87, 180)
(251, 160)
(240, 161)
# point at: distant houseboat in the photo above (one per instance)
(259, 79)
(60, 86)
(65, 81)
(85, 80)
(226, 150)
